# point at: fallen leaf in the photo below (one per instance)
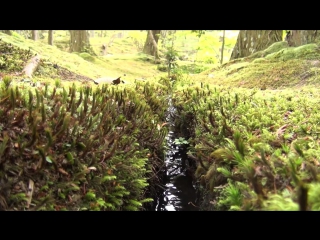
(30, 192)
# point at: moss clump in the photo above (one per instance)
(275, 47)
(308, 51)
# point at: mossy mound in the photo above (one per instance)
(275, 47)
(287, 67)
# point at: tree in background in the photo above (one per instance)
(297, 38)
(251, 41)
(151, 44)
(34, 35)
(79, 40)
(50, 37)
(222, 47)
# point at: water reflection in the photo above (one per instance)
(180, 194)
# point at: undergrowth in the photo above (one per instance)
(80, 148)
(255, 150)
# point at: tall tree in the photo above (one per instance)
(50, 37)
(251, 41)
(151, 44)
(79, 40)
(297, 38)
(34, 35)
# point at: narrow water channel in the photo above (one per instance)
(179, 193)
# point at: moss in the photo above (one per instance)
(308, 51)
(87, 57)
(259, 60)
(275, 47)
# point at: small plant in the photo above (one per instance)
(180, 141)
(232, 197)
(7, 81)
(57, 82)
(171, 56)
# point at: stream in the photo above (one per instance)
(179, 193)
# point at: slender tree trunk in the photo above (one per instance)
(35, 35)
(251, 41)
(79, 40)
(50, 37)
(222, 47)
(151, 44)
(92, 33)
(297, 38)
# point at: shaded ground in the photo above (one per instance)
(57, 72)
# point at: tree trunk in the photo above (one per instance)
(251, 41)
(222, 47)
(79, 40)
(35, 35)
(297, 38)
(50, 37)
(151, 44)
(92, 33)
(9, 32)
(31, 66)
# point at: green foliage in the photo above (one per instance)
(264, 141)
(280, 203)
(88, 146)
(6, 81)
(231, 197)
(57, 82)
(180, 141)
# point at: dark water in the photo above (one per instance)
(179, 193)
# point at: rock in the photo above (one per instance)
(26, 80)
(108, 80)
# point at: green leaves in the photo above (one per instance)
(180, 141)
(108, 178)
(48, 159)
